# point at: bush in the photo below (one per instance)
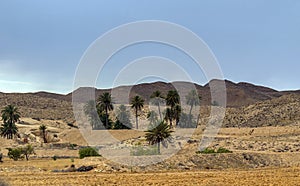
(54, 157)
(221, 150)
(143, 151)
(15, 154)
(20, 152)
(206, 151)
(87, 152)
(27, 151)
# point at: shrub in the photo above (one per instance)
(20, 152)
(143, 151)
(221, 150)
(27, 151)
(15, 153)
(206, 151)
(87, 152)
(54, 157)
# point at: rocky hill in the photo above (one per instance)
(248, 104)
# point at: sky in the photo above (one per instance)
(42, 42)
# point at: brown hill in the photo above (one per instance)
(238, 94)
(248, 104)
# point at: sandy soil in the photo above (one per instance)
(284, 176)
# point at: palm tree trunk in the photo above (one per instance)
(190, 115)
(136, 118)
(159, 112)
(44, 136)
(158, 147)
(191, 110)
(106, 117)
(198, 118)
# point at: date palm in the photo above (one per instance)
(172, 98)
(192, 99)
(105, 103)
(160, 134)
(157, 100)
(10, 115)
(177, 113)
(137, 103)
(90, 110)
(123, 118)
(43, 131)
(169, 115)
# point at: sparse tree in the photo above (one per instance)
(137, 103)
(177, 113)
(43, 130)
(153, 119)
(192, 99)
(172, 98)
(10, 115)
(160, 134)
(158, 99)
(123, 118)
(169, 115)
(105, 103)
(27, 151)
(91, 110)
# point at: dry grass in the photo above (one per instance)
(283, 176)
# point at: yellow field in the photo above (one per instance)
(284, 176)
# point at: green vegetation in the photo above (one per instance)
(105, 104)
(157, 99)
(123, 119)
(10, 115)
(137, 103)
(43, 131)
(221, 150)
(192, 99)
(87, 152)
(159, 134)
(173, 112)
(20, 152)
(91, 111)
(144, 151)
(54, 157)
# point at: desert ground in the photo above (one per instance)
(261, 156)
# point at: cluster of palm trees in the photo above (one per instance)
(10, 115)
(172, 113)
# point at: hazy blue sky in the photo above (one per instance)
(41, 42)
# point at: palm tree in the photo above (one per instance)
(177, 113)
(105, 103)
(160, 134)
(172, 98)
(123, 118)
(43, 129)
(152, 117)
(169, 115)
(90, 110)
(192, 99)
(137, 103)
(10, 115)
(8, 130)
(157, 100)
